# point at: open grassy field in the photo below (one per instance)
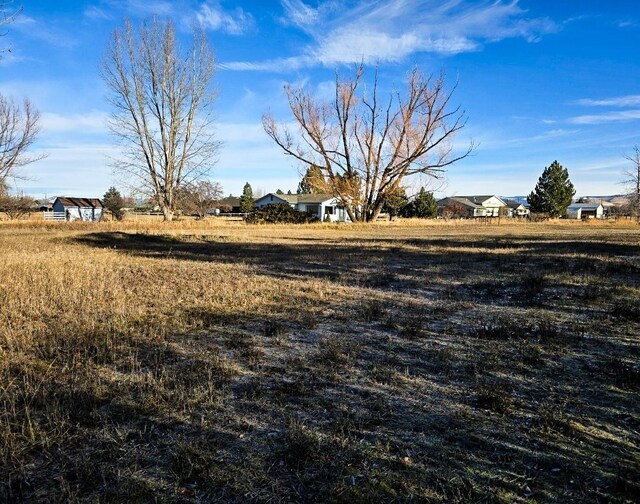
(202, 362)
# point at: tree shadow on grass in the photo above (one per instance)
(333, 259)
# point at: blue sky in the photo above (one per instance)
(539, 80)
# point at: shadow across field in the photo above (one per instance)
(334, 258)
(446, 370)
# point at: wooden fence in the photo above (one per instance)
(54, 216)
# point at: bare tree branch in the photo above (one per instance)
(7, 15)
(19, 129)
(632, 182)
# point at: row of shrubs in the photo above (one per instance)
(280, 213)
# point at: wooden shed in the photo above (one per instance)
(84, 209)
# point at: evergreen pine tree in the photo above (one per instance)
(114, 202)
(246, 200)
(396, 202)
(424, 205)
(553, 192)
(312, 181)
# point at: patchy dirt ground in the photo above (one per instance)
(429, 363)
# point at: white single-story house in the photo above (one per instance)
(516, 209)
(323, 206)
(471, 206)
(585, 211)
(84, 209)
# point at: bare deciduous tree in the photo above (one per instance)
(14, 206)
(200, 197)
(163, 108)
(18, 131)
(17, 206)
(366, 145)
(632, 181)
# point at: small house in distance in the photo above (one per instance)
(324, 206)
(470, 206)
(516, 209)
(84, 209)
(585, 211)
(230, 204)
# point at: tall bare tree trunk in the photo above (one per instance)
(167, 213)
(162, 107)
(633, 182)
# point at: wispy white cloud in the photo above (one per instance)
(607, 117)
(11, 57)
(499, 140)
(300, 14)
(209, 14)
(241, 132)
(94, 121)
(146, 7)
(620, 101)
(95, 12)
(627, 24)
(273, 65)
(212, 17)
(44, 30)
(610, 166)
(71, 168)
(393, 30)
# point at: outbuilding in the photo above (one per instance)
(84, 209)
(585, 211)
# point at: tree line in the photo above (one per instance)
(361, 146)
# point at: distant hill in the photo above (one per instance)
(520, 199)
(613, 199)
(616, 199)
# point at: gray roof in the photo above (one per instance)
(468, 201)
(513, 204)
(461, 200)
(300, 198)
(291, 198)
(584, 206)
(478, 200)
(313, 198)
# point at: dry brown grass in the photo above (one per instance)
(406, 361)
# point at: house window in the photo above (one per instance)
(328, 210)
